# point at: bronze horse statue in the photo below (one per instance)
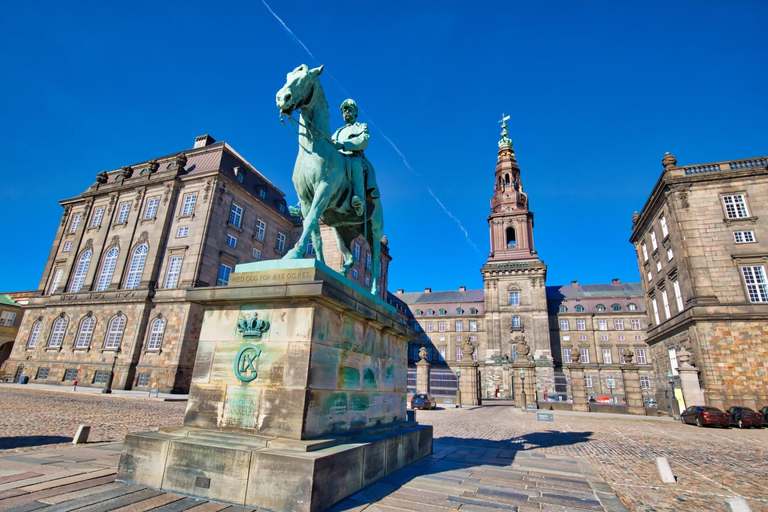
(322, 180)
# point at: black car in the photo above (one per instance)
(764, 413)
(744, 417)
(422, 401)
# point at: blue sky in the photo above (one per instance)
(597, 92)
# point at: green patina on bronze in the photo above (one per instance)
(334, 180)
(246, 363)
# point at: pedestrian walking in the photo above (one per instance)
(74, 386)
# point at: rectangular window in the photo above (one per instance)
(581, 325)
(645, 251)
(261, 230)
(678, 295)
(566, 338)
(98, 214)
(607, 359)
(621, 338)
(223, 278)
(658, 266)
(67, 246)
(7, 318)
(638, 338)
(645, 382)
(587, 381)
(640, 353)
(280, 242)
(563, 325)
(151, 211)
(673, 360)
(256, 254)
(262, 193)
(567, 356)
(142, 380)
(57, 274)
(663, 221)
(757, 285)
(182, 232)
(622, 360)
(42, 373)
(473, 326)
(188, 207)
(514, 298)
(231, 241)
(356, 251)
(174, 269)
(735, 206)
(649, 275)
(665, 302)
(655, 310)
(618, 325)
(744, 237)
(440, 326)
(459, 325)
(428, 327)
(653, 240)
(100, 377)
(122, 216)
(442, 353)
(670, 254)
(582, 337)
(459, 354)
(584, 355)
(635, 324)
(602, 325)
(604, 338)
(368, 261)
(515, 321)
(70, 375)
(354, 273)
(75, 223)
(236, 215)
(610, 382)
(367, 281)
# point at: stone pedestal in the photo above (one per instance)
(524, 375)
(632, 390)
(298, 395)
(422, 376)
(507, 382)
(577, 388)
(689, 383)
(469, 383)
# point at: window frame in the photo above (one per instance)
(124, 210)
(155, 336)
(188, 205)
(58, 332)
(735, 209)
(226, 271)
(81, 272)
(136, 267)
(150, 210)
(236, 215)
(115, 331)
(174, 271)
(107, 269)
(85, 333)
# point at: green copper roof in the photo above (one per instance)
(5, 299)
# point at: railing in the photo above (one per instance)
(733, 165)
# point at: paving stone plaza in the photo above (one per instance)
(488, 458)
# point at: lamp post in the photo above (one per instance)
(609, 383)
(522, 386)
(458, 386)
(670, 393)
(108, 385)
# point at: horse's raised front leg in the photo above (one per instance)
(311, 219)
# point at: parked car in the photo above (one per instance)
(423, 401)
(650, 403)
(701, 415)
(764, 414)
(744, 417)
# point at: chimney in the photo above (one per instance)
(427, 290)
(462, 288)
(574, 283)
(204, 140)
(616, 280)
(399, 291)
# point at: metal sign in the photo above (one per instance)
(545, 416)
(246, 363)
(531, 406)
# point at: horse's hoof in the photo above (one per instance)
(293, 254)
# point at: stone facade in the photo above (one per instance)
(702, 249)
(10, 320)
(112, 295)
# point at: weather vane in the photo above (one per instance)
(503, 118)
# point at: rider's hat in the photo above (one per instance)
(349, 102)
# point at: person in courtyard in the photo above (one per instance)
(74, 386)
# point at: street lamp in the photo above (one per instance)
(522, 386)
(108, 385)
(458, 386)
(670, 393)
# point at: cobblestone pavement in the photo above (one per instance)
(711, 465)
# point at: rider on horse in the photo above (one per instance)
(351, 140)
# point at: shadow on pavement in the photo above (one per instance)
(7, 443)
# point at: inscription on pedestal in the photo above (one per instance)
(203, 362)
(280, 276)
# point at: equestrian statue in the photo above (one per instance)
(334, 180)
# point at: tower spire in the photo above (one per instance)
(505, 140)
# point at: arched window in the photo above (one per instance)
(137, 265)
(459, 311)
(105, 278)
(601, 307)
(473, 311)
(563, 309)
(511, 239)
(632, 307)
(57, 333)
(616, 307)
(80, 272)
(85, 333)
(430, 312)
(156, 334)
(34, 334)
(115, 332)
(579, 308)
(506, 178)
(442, 311)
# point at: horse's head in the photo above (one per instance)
(298, 89)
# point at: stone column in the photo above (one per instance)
(422, 372)
(507, 382)
(577, 381)
(689, 379)
(468, 383)
(632, 388)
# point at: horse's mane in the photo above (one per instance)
(322, 104)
